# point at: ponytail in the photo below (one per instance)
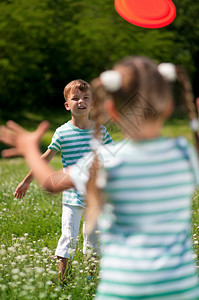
(93, 195)
(171, 72)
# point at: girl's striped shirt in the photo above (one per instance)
(74, 143)
(146, 222)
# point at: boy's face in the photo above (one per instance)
(79, 103)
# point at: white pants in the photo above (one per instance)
(71, 217)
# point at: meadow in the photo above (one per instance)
(31, 227)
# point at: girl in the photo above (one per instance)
(147, 183)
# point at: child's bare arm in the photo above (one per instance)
(26, 144)
(25, 183)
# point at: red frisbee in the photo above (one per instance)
(147, 13)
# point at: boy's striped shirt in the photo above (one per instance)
(74, 143)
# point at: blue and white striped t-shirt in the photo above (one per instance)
(145, 227)
(74, 143)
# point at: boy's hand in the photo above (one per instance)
(21, 189)
(22, 140)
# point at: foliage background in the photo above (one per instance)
(46, 44)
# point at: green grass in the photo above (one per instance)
(31, 227)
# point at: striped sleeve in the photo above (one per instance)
(194, 163)
(191, 154)
(79, 172)
(106, 137)
(56, 142)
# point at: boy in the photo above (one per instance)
(72, 139)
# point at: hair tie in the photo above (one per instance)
(111, 80)
(168, 71)
(194, 124)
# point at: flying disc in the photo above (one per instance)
(147, 13)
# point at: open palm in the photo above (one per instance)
(20, 139)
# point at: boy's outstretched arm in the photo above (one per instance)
(25, 144)
(23, 186)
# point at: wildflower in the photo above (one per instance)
(53, 295)
(2, 252)
(71, 251)
(21, 257)
(45, 249)
(11, 249)
(15, 271)
(42, 295)
(39, 270)
(3, 287)
(15, 277)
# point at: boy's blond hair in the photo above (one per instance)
(76, 84)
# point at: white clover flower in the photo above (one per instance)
(15, 271)
(53, 295)
(45, 249)
(21, 257)
(39, 270)
(26, 234)
(42, 295)
(52, 272)
(2, 251)
(15, 277)
(3, 287)
(71, 251)
(22, 274)
(49, 282)
(11, 249)
(89, 251)
(23, 293)
(57, 289)
(75, 262)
